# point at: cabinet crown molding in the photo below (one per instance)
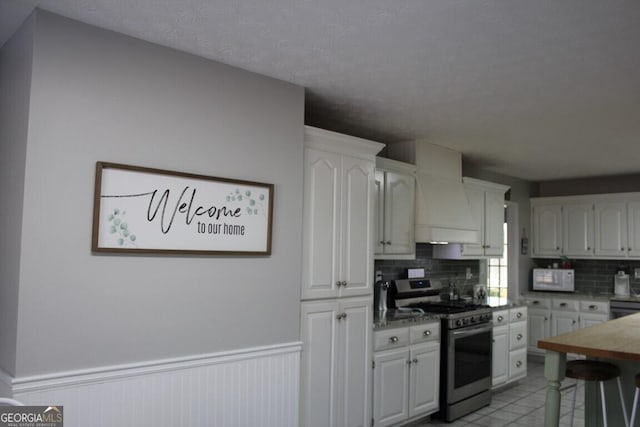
(322, 139)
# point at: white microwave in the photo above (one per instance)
(553, 279)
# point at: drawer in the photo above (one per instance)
(600, 307)
(500, 317)
(538, 303)
(517, 335)
(425, 332)
(565, 304)
(518, 314)
(518, 363)
(390, 338)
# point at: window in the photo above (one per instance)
(497, 275)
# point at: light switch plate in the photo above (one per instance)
(469, 275)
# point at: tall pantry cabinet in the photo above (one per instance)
(337, 279)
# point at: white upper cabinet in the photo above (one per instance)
(578, 229)
(338, 215)
(611, 235)
(547, 230)
(395, 201)
(486, 200)
(599, 225)
(618, 228)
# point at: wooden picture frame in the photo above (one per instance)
(145, 210)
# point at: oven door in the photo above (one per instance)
(469, 361)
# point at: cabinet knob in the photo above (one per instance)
(545, 318)
(518, 363)
(487, 246)
(519, 315)
(338, 283)
(536, 302)
(557, 248)
(382, 242)
(388, 242)
(426, 333)
(393, 339)
(563, 304)
(593, 307)
(629, 249)
(588, 248)
(341, 316)
(519, 337)
(409, 362)
(573, 322)
(414, 361)
(622, 249)
(500, 318)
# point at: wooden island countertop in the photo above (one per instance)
(616, 339)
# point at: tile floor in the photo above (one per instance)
(521, 405)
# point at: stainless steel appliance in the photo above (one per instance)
(465, 351)
(623, 307)
(553, 280)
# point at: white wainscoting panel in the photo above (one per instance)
(251, 387)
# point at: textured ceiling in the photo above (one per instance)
(539, 90)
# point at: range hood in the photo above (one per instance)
(443, 214)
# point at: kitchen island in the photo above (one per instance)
(617, 341)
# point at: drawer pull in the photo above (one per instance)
(536, 302)
(519, 337)
(519, 315)
(518, 364)
(426, 333)
(500, 318)
(593, 307)
(393, 339)
(563, 304)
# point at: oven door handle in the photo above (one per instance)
(472, 330)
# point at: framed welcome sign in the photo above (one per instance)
(148, 210)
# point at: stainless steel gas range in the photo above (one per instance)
(465, 355)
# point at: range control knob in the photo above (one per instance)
(465, 321)
(473, 319)
(459, 322)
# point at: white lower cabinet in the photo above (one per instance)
(336, 363)
(549, 317)
(509, 345)
(406, 375)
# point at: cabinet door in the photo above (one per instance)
(590, 319)
(399, 212)
(539, 329)
(379, 212)
(354, 363)
(578, 229)
(547, 230)
(391, 387)
(356, 259)
(424, 378)
(500, 361)
(563, 322)
(476, 204)
(318, 376)
(494, 224)
(633, 217)
(611, 229)
(517, 364)
(321, 230)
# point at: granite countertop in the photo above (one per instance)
(616, 339)
(571, 295)
(393, 318)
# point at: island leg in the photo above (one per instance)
(554, 369)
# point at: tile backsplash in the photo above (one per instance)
(595, 276)
(448, 271)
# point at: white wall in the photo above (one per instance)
(98, 95)
(15, 78)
